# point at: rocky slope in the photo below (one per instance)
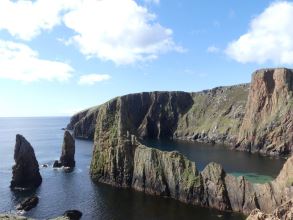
(283, 212)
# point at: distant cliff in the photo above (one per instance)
(255, 117)
(209, 116)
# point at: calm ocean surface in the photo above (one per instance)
(62, 191)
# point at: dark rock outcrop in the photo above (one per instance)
(73, 214)
(68, 152)
(25, 172)
(28, 203)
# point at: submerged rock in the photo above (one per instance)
(68, 151)
(28, 203)
(25, 172)
(73, 214)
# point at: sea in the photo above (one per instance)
(61, 191)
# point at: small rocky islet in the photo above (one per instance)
(26, 175)
(255, 117)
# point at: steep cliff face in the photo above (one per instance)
(209, 116)
(83, 123)
(268, 122)
(215, 116)
(125, 162)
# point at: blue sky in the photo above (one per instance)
(61, 56)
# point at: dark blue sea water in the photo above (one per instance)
(61, 191)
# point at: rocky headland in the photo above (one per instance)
(25, 172)
(254, 118)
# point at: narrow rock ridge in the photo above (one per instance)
(25, 172)
(255, 118)
(128, 163)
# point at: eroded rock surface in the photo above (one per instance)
(283, 212)
(268, 122)
(25, 172)
(28, 203)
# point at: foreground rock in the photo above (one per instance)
(28, 203)
(16, 217)
(283, 212)
(68, 152)
(25, 172)
(125, 162)
(73, 214)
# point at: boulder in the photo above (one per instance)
(73, 214)
(28, 203)
(68, 151)
(283, 212)
(25, 172)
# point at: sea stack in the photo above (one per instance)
(25, 172)
(68, 151)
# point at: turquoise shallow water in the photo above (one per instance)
(62, 191)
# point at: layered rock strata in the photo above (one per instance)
(25, 172)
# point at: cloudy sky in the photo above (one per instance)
(60, 56)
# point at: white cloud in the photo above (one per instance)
(26, 19)
(91, 79)
(20, 62)
(119, 31)
(269, 39)
(213, 49)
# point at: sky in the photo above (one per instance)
(58, 57)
